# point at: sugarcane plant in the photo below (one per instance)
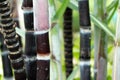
(41, 27)
(11, 40)
(85, 39)
(68, 46)
(30, 46)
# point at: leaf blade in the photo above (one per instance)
(61, 10)
(102, 26)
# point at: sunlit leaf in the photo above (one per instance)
(112, 5)
(72, 75)
(61, 10)
(102, 26)
(72, 4)
(112, 10)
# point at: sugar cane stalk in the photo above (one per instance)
(68, 41)
(85, 39)
(30, 46)
(11, 40)
(41, 26)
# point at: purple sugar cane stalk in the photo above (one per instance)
(41, 26)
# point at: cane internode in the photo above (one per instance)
(27, 4)
(84, 13)
(43, 41)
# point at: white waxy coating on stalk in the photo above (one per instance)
(43, 57)
(28, 11)
(41, 15)
(82, 30)
(8, 78)
(82, 63)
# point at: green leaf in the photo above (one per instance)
(102, 26)
(112, 5)
(0, 77)
(72, 75)
(51, 2)
(72, 4)
(20, 32)
(109, 17)
(61, 10)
